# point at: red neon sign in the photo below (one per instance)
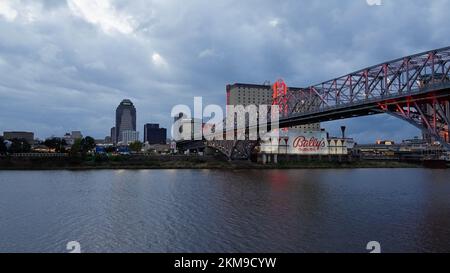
(279, 95)
(303, 143)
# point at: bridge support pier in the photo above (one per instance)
(209, 151)
(264, 159)
(269, 159)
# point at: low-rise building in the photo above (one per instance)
(157, 148)
(28, 136)
(71, 137)
(77, 135)
(300, 142)
(129, 136)
(41, 149)
(108, 140)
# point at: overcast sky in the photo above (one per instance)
(66, 65)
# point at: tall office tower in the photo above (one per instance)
(155, 135)
(125, 118)
(113, 135)
(254, 94)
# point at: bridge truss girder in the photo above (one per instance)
(431, 116)
(234, 149)
(415, 89)
(398, 77)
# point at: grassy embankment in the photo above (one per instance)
(181, 162)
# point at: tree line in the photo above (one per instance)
(16, 146)
(59, 145)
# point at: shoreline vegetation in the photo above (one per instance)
(184, 162)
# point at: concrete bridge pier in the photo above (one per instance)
(209, 151)
(269, 158)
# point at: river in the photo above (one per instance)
(405, 210)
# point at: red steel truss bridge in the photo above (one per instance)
(414, 88)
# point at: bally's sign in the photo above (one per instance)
(307, 143)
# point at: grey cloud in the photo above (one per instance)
(60, 72)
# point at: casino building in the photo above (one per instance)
(254, 94)
(303, 140)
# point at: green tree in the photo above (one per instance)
(110, 149)
(19, 146)
(56, 143)
(76, 148)
(3, 148)
(87, 144)
(136, 146)
(82, 146)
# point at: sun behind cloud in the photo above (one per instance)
(103, 14)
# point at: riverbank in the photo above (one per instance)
(185, 162)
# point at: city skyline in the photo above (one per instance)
(224, 135)
(78, 83)
(126, 115)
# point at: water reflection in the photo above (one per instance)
(225, 211)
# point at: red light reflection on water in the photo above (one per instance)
(278, 179)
